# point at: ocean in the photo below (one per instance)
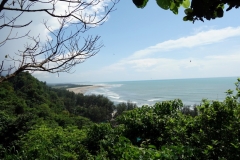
(190, 91)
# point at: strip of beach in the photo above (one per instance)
(83, 89)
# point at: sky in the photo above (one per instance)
(152, 44)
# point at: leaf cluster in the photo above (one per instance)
(196, 9)
(173, 5)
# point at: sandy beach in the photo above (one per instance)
(83, 89)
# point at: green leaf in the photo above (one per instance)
(235, 146)
(164, 4)
(187, 18)
(140, 3)
(229, 92)
(219, 12)
(186, 3)
(221, 5)
(152, 146)
(172, 5)
(209, 147)
(188, 11)
(157, 155)
(174, 8)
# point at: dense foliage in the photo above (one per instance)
(198, 10)
(24, 92)
(39, 122)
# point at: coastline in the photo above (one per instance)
(83, 89)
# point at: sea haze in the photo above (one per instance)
(190, 91)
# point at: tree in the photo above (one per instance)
(121, 107)
(61, 50)
(44, 142)
(198, 10)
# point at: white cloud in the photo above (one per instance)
(167, 68)
(42, 75)
(196, 62)
(215, 62)
(161, 68)
(199, 39)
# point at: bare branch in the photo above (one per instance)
(2, 4)
(63, 50)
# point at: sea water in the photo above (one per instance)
(148, 92)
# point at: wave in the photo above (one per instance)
(104, 91)
(94, 92)
(153, 100)
(107, 85)
(116, 85)
(114, 97)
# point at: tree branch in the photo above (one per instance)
(63, 51)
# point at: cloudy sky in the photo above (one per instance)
(151, 43)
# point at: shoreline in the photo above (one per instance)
(83, 89)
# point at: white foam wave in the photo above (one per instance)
(116, 85)
(106, 92)
(101, 84)
(154, 100)
(107, 85)
(114, 97)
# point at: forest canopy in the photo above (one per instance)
(40, 122)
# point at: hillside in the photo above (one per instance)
(40, 122)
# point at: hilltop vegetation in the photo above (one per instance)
(40, 122)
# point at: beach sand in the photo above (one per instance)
(83, 89)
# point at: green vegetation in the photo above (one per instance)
(40, 122)
(195, 9)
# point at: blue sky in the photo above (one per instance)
(152, 43)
